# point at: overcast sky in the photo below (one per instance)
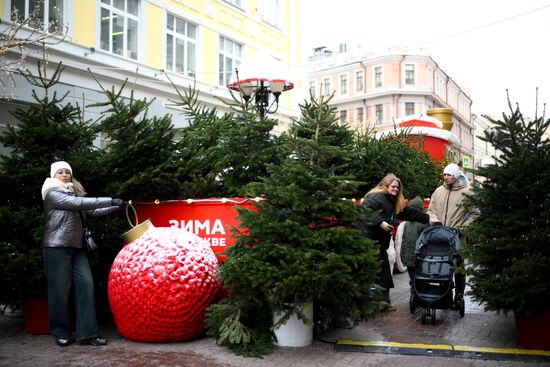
(486, 46)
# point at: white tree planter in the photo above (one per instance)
(295, 333)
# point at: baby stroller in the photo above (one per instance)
(437, 255)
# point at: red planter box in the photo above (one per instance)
(35, 316)
(532, 330)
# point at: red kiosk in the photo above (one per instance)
(436, 138)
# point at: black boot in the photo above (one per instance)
(457, 300)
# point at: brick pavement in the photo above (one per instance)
(477, 328)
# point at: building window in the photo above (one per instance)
(360, 81)
(312, 88)
(379, 114)
(181, 54)
(230, 54)
(44, 13)
(343, 84)
(409, 74)
(237, 3)
(342, 47)
(358, 116)
(326, 85)
(378, 76)
(272, 12)
(343, 116)
(409, 108)
(119, 27)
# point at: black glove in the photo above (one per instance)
(118, 202)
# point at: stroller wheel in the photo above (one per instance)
(462, 308)
(433, 316)
(412, 304)
(423, 319)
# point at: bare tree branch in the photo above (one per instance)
(22, 36)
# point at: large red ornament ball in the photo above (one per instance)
(161, 284)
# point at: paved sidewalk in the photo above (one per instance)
(476, 329)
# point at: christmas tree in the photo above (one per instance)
(509, 245)
(302, 244)
(48, 130)
(223, 152)
(398, 153)
(139, 156)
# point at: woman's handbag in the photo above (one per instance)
(89, 243)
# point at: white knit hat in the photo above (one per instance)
(56, 166)
(453, 170)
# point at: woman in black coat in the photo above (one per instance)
(387, 201)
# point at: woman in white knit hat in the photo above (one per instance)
(65, 261)
(447, 207)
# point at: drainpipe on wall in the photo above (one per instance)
(434, 88)
(433, 82)
(401, 71)
(364, 68)
(447, 90)
(400, 86)
(364, 76)
(396, 98)
(366, 116)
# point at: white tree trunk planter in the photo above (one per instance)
(295, 333)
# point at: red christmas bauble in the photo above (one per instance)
(161, 284)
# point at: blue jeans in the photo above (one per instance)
(66, 267)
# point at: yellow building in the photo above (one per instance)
(150, 42)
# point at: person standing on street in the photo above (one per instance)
(65, 261)
(387, 201)
(447, 208)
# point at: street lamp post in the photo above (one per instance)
(259, 82)
(261, 89)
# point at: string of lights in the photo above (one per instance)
(198, 201)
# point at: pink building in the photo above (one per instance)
(372, 91)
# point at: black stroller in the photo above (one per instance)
(437, 255)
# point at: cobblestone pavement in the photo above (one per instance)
(477, 329)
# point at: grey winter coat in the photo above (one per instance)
(63, 226)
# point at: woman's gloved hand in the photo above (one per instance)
(119, 202)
